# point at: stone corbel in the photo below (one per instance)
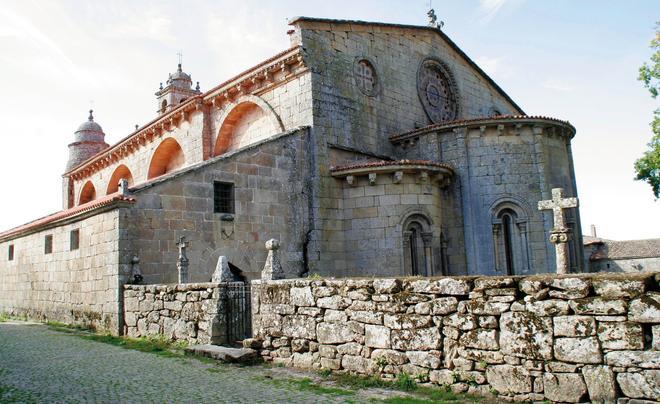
(500, 129)
(350, 179)
(482, 129)
(397, 177)
(537, 130)
(517, 129)
(372, 178)
(423, 177)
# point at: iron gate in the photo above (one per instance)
(239, 312)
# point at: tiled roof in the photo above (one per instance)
(385, 163)
(485, 120)
(64, 214)
(649, 248)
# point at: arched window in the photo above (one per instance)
(510, 245)
(88, 193)
(163, 106)
(418, 246)
(168, 157)
(121, 172)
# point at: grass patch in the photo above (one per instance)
(156, 345)
(3, 317)
(307, 384)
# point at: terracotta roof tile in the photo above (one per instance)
(460, 122)
(63, 214)
(385, 163)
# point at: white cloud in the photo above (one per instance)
(490, 8)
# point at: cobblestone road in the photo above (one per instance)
(38, 364)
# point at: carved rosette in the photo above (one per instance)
(437, 91)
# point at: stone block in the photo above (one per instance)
(616, 288)
(569, 288)
(646, 308)
(578, 350)
(492, 283)
(480, 339)
(600, 383)
(358, 364)
(477, 355)
(307, 360)
(564, 387)
(406, 321)
(422, 339)
(351, 348)
(387, 285)
(445, 286)
(644, 384)
(425, 359)
(366, 317)
(656, 337)
(443, 305)
(599, 306)
(376, 336)
(621, 335)
(552, 307)
(389, 356)
(461, 321)
(332, 364)
(574, 326)
(443, 377)
(485, 307)
(302, 296)
(333, 302)
(337, 333)
(335, 316)
(526, 335)
(508, 379)
(640, 359)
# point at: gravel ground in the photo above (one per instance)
(38, 364)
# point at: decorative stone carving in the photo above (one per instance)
(560, 233)
(182, 261)
(222, 272)
(273, 268)
(437, 91)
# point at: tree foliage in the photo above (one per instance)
(647, 167)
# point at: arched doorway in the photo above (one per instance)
(121, 172)
(87, 194)
(168, 157)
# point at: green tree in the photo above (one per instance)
(647, 167)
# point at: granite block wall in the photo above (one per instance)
(75, 286)
(192, 312)
(558, 338)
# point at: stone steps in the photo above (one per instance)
(224, 354)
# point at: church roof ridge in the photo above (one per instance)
(473, 121)
(436, 30)
(168, 115)
(67, 213)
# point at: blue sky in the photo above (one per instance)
(573, 60)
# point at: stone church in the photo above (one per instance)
(367, 149)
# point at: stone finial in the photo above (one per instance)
(123, 187)
(182, 261)
(91, 116)
(222, 272)
(197, 86)
(273, 268)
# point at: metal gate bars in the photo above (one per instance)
(239, 312)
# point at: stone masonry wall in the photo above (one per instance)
(79, 286)
(192, 312)
(558, 338)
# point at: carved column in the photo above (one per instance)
(524, 250)
(427, 239)
(273, 268)
(407, 253)
(496, 246)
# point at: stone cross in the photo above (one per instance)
(182, 260)
(560, 233)
(222, 272)
(273, 268)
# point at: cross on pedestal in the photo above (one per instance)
(560, 233)
(182, 260)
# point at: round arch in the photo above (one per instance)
(167, 157)
(246, 113)
(121, 172)
(87, 193)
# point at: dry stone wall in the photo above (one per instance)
(569, 339)
(192, 312)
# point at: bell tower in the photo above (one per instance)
(178, 88)
(89, 139)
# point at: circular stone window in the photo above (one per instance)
(365, 77)
(437, 91)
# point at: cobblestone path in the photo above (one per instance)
(38, 364)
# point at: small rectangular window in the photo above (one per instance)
(11, 252)
(74, 239)
(223, 197)
(48, 244)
